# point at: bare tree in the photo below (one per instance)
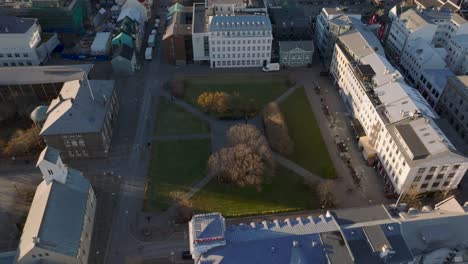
(239, 165)
(247, 161)
(23, 142)
(277, 130)
(326, 195)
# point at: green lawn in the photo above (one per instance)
(171, 119)
(175, 166)
(253, 90)
(286, 192)
(309, 149)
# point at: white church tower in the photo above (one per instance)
(51, 166)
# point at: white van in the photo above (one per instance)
(271, 67)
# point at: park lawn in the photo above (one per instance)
(175, 167)
(286, 192)
(310, 151)
(173, 120)
(253, 90)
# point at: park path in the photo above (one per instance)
(296, 168)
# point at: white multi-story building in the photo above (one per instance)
(19, 40)
(409, 25)
(240, 41)
(330, 23)
(418, 56)
(413, 153)
(432, 83)
(226, 35)
(436, 27)
(21, 43)
(457, 54)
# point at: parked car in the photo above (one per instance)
(271, 67)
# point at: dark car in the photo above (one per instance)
(186, 254)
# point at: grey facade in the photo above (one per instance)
(80, 120)
(296, 53)
(290, 23)
(453, 105)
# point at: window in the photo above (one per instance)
(432, 169)
(34, 256)
(85, 153)
(440, 176)
(71, 153)
(25, 55)
(435, 184)
(50, 172)
(428, 177)
(455, 167)
(417, 178)
(421, 170)
(74, 143)
(9, 55)
(451, 175)
(46, 254)
(17, 56)
(40, 255)
(446, 183)
(424, 186)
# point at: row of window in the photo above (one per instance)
(241, 33)
(77, 153)
(14, 64)
(16, 55)
(248, 41)
(248, 55)
(74, 143)
(238, 63)
(248, 48)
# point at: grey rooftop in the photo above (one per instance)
(43, 74)
(15, 25)
(286, 46)
(77, 109)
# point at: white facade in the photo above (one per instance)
(457, 54)
(240, 41)
(409, 26)
(414, 155)
(417, 56)
(18, 46)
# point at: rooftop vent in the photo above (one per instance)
(413, 211)
(36, 240)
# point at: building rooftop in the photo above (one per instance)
(15, 25)
(53, 205)
(425, 54)
(413, 20)
(43, 74)
(239, 23)
(459, 20)
(359, 41)
(49, 154)
(438, 77)
(209, 3)
(207, 227)
(286, 46)
(428, 4)
(75, 110)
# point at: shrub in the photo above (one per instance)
(277, 130)
(23, 142)
(217, 102)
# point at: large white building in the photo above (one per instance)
(457, 54)
(227, 38)
(60, 222)
(21, 43)
(413, 154)
(436, 27)
(418, 56)
(330, 23)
